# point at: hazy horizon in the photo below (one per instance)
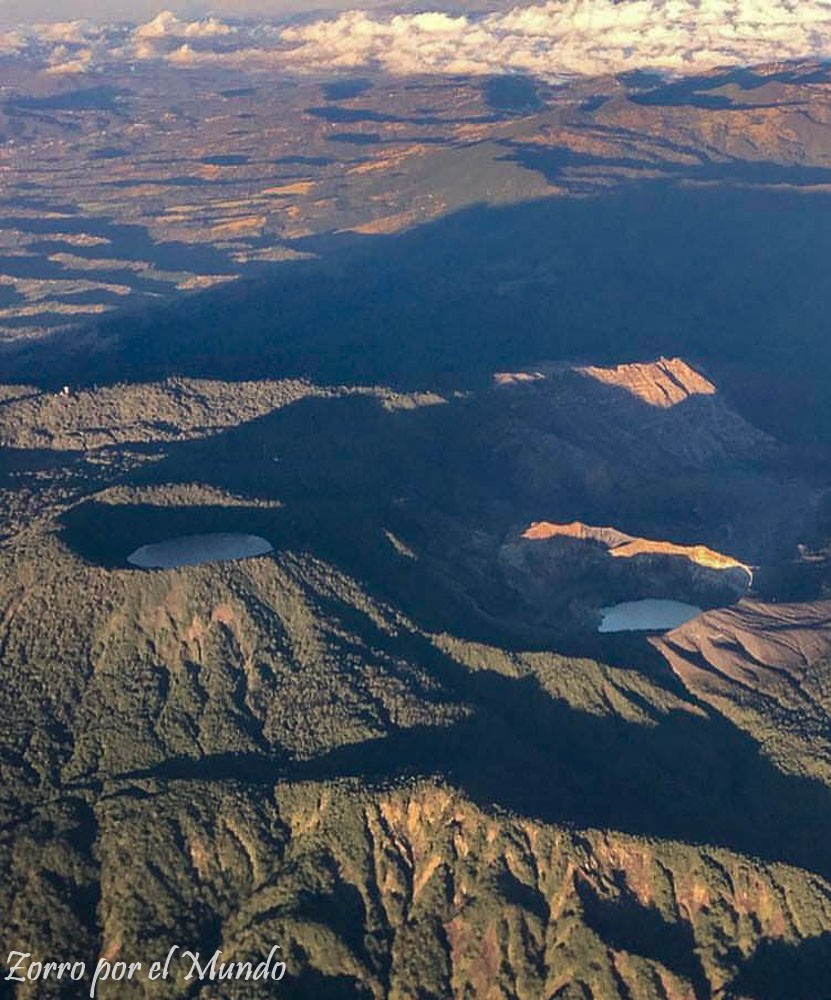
(14, 12)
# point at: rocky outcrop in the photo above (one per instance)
(656, 445)
(621, 545)
(660, 415)
(578, 568)
(662, 383)
(767, 667)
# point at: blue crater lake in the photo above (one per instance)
(649, 615)
(193, 550)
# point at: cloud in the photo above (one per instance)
(182, 43)
(12, 42)
(243, 58)
(67, 32)
(565, 37)
(68, 66)
(61, 46)
(80, 46)
(554, 39)
(168, 25)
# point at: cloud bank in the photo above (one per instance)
(81, 46)
(554, 39)
(572, 37)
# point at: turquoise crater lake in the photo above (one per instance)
(648, 615)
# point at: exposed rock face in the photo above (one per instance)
(585, 567)
(751, 644)
(662, 383)
(655, 446)
(651, 446)
(277, 748)
(621, 545)
(616, 412)
(768, 668)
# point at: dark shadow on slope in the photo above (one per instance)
(681, 777)
(780, 970)
(553, 162)
(125, 241)
(416, 502)
(724, 275)
(356, 138)
(246, 768)
(694, 91)
(687, 779)
(625, 924)
(314, 985)
(514, 94)
(524, 896)
(225, 160)
(99, 98)
(105, 534)
(349, 116)
(344, 90)
(108, 153)
(338, 906)
(14, 461)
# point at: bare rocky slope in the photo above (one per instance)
(766, 666)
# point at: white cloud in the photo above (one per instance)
(68, 32)
(12, 42)
(184, 55)
(571, 37)
(244, 58)
(557, 38)
(167, 25)
(68, 66)
(183, 43)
